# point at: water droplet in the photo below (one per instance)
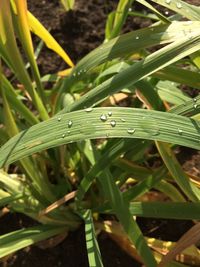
(110, 113)
(131, 131)
(130, 9)
(103, 117)
(88, 109)
(137, 37)
(168, 1)
(63, 136)
(166, 12)
(194, 99)
(123, 120)
(113, 123)
(179, 5)
(59, 118)
(68, 132)
(70, 123)
(180, 131)
(195, 105)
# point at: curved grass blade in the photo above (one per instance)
(80, 125)
(129, 43)
(152, 63)
(22, 238)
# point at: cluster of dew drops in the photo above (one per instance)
(104, 117)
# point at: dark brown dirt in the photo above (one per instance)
(79, 32)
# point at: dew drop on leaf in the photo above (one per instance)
(180, 131)
(137, 37)
(131, 131)
(195, 105)
(59, 118)
(168, 1)
(88, 109)
(113, 123)
(110, 113)
(63, 136)
(70, 123)
(103, 117)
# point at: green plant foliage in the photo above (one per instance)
(76, 154)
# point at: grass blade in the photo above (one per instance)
(179, 7)
(22, 238)
(38, 29)
(166, 210)
(191, 191)
(94, 254)
(125, 123)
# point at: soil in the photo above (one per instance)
(79, 32)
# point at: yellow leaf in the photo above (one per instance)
(50, 42)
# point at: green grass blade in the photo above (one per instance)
(181, 7)
(166, 210)
(94, 254)
(168, 91)
(106, 159)
(118, 18)
(16, 103)
(129, 43)
(178, 75)
(152, 63)
(144, 186)
(121, 209)
(7, 200)
(191, 191)
(22, 238)
(81, 125)
(158, 14)
(7, 39)
(68, 4)
(189, 108)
